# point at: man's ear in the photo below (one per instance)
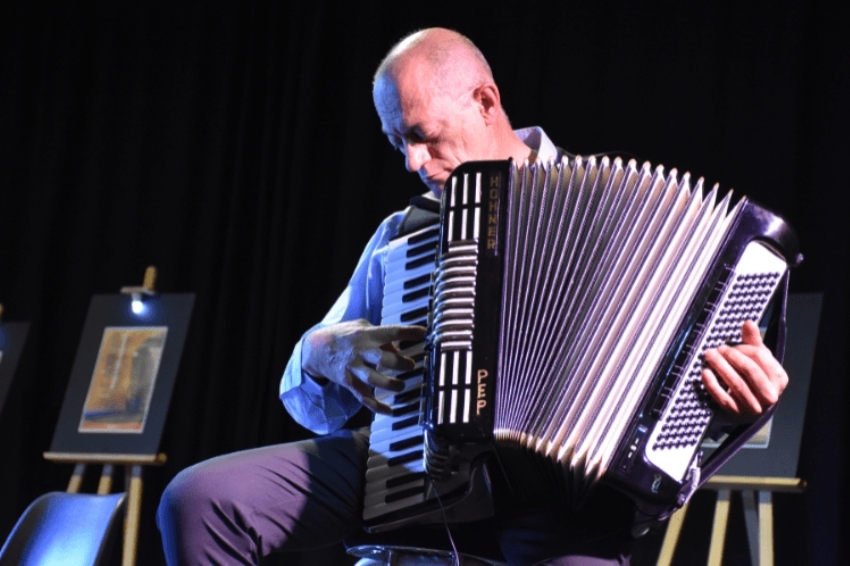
(489, 102)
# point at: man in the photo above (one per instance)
(439, 106)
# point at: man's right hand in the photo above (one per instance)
(353, 353)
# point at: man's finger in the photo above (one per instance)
(760, 371)
(376, 406)
(387, 357)
(738, 388)
(750, 334)
(396, 333)
(355, 380)
(364, 393)
(718, 393)
(373, 378)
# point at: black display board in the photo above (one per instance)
(121, 383)
(12, 338)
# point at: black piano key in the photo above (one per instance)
(404, 458)
(419, 262)
(405, 423)
(406, 443)
(406, 478)
(405, 344)
(407, 397)
(414, 372)
(430, 234)
(416, 295)
(406, 409)
(424, 279)
(417, 314)
(426, 248)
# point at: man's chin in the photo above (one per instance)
(435, 186)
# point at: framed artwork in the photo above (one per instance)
(121, 382)
(774, 451)
(12, 338)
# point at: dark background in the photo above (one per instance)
(234, 146)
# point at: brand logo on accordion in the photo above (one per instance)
(493, 193)
(656, 483)
(481, 401)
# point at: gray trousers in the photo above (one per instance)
(292, 497)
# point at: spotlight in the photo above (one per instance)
(136, 304)
(138, 294)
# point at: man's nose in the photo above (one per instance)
(416, 155)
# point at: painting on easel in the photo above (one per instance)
(121, 382)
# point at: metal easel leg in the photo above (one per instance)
(718, 530)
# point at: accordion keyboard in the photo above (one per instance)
(395, 476)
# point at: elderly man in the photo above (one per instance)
(439, 106)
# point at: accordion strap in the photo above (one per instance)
(421, 212)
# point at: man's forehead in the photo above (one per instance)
(396, 99)
(387, 103)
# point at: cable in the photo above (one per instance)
(455, 553)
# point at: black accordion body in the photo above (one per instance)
(568, 307)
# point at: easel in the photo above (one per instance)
(132, 484)
(757, 496)
(139, 447)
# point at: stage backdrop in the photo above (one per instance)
(234, 146)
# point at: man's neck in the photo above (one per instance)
(517, 150)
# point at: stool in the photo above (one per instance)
(390, 555)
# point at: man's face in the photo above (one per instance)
(435, 131)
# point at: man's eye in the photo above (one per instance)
(416, 137)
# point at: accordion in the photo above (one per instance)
(568, 307)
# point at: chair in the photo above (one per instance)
(62, 528)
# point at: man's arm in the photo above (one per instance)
(318, 394)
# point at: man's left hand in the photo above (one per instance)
(745, 379)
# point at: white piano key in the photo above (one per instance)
(400, 477)
(378, 498)
(384, 508)
(384, 470)
(383, 446)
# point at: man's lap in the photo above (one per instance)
(308, 494)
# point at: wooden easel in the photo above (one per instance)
(757, 496)
(132, 484)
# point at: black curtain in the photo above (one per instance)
(235, 147)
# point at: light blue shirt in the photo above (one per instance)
(326, 408)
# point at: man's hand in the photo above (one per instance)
(353, 354)
(752, 377)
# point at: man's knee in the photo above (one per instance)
(193, 494)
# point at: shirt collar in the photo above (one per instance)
(535, 138)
